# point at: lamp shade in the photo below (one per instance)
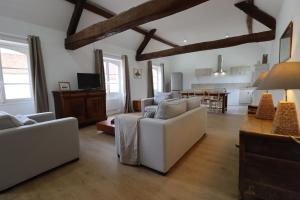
(282, 76)
(260, 78)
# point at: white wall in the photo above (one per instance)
(62, 65)
(289, 12)
(244, 55)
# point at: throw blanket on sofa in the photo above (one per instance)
(127, 138)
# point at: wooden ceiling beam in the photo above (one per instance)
(249, 20)
(257, 14)
(145, 42)
(217, 44)
(144, 13)
(103, 12)
(75, 17)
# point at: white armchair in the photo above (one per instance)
(30, 150)
(146, 102)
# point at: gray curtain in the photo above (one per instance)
(150, 90)
(39, 84)
(163, 77)
(128, 107)
(99, 67)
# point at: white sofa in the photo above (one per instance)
(159, 140)
(163, 142)
(30, 150)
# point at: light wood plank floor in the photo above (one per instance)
(208, 172)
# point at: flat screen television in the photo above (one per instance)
(88, 81)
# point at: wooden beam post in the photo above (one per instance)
(250, 19)
(145, 41)
(144, 13)
(217, 44)
(257, 14)
(101, 11)
(75, 17)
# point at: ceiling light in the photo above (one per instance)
(185, 41)
(226, 36)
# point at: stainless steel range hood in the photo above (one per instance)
(220, 70)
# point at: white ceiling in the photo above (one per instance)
(209, 21)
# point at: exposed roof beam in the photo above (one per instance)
(257, 14)
(144, 13)
(145, 41)
(75, 17)
(250, 19)
(217, 44)
(103, 12)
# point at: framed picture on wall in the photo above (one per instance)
(64, 86)
(137, 73)
(286, 41)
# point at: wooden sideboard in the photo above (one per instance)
(88, 106)
(269, 164)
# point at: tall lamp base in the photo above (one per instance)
(266, 109)
(286, 120)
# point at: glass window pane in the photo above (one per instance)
(13, 59)
(113, 79)
(17, 91)
(114, 88)
(16, 78)
(113, 68)
(14, 71)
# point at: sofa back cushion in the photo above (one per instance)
(8, 121)
(170, 109)
(161, 97)
(193, 102)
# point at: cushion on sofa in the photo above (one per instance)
(170, 109)
(161, 97)
(149, 114)
(193, 102)
(8, 121)
(25, 120)
(151, 108)
(150, 111)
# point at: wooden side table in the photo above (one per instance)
(269, 164)
(137, 105)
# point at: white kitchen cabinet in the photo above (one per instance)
(246, 95)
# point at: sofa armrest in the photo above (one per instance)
(146, 102)
(164, 142)
(42, 117)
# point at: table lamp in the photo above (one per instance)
(266, 109)
(284, 76)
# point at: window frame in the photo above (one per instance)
(117, 62)
(21, 48)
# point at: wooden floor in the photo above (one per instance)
(208, 172)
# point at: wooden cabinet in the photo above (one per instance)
(269, 164)
(88, 106)
(137, 105)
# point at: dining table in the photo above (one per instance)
(223, 95)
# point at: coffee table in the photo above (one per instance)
(106, 126)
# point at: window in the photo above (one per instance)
(15, 83)
(157, 78)
(113, 76)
